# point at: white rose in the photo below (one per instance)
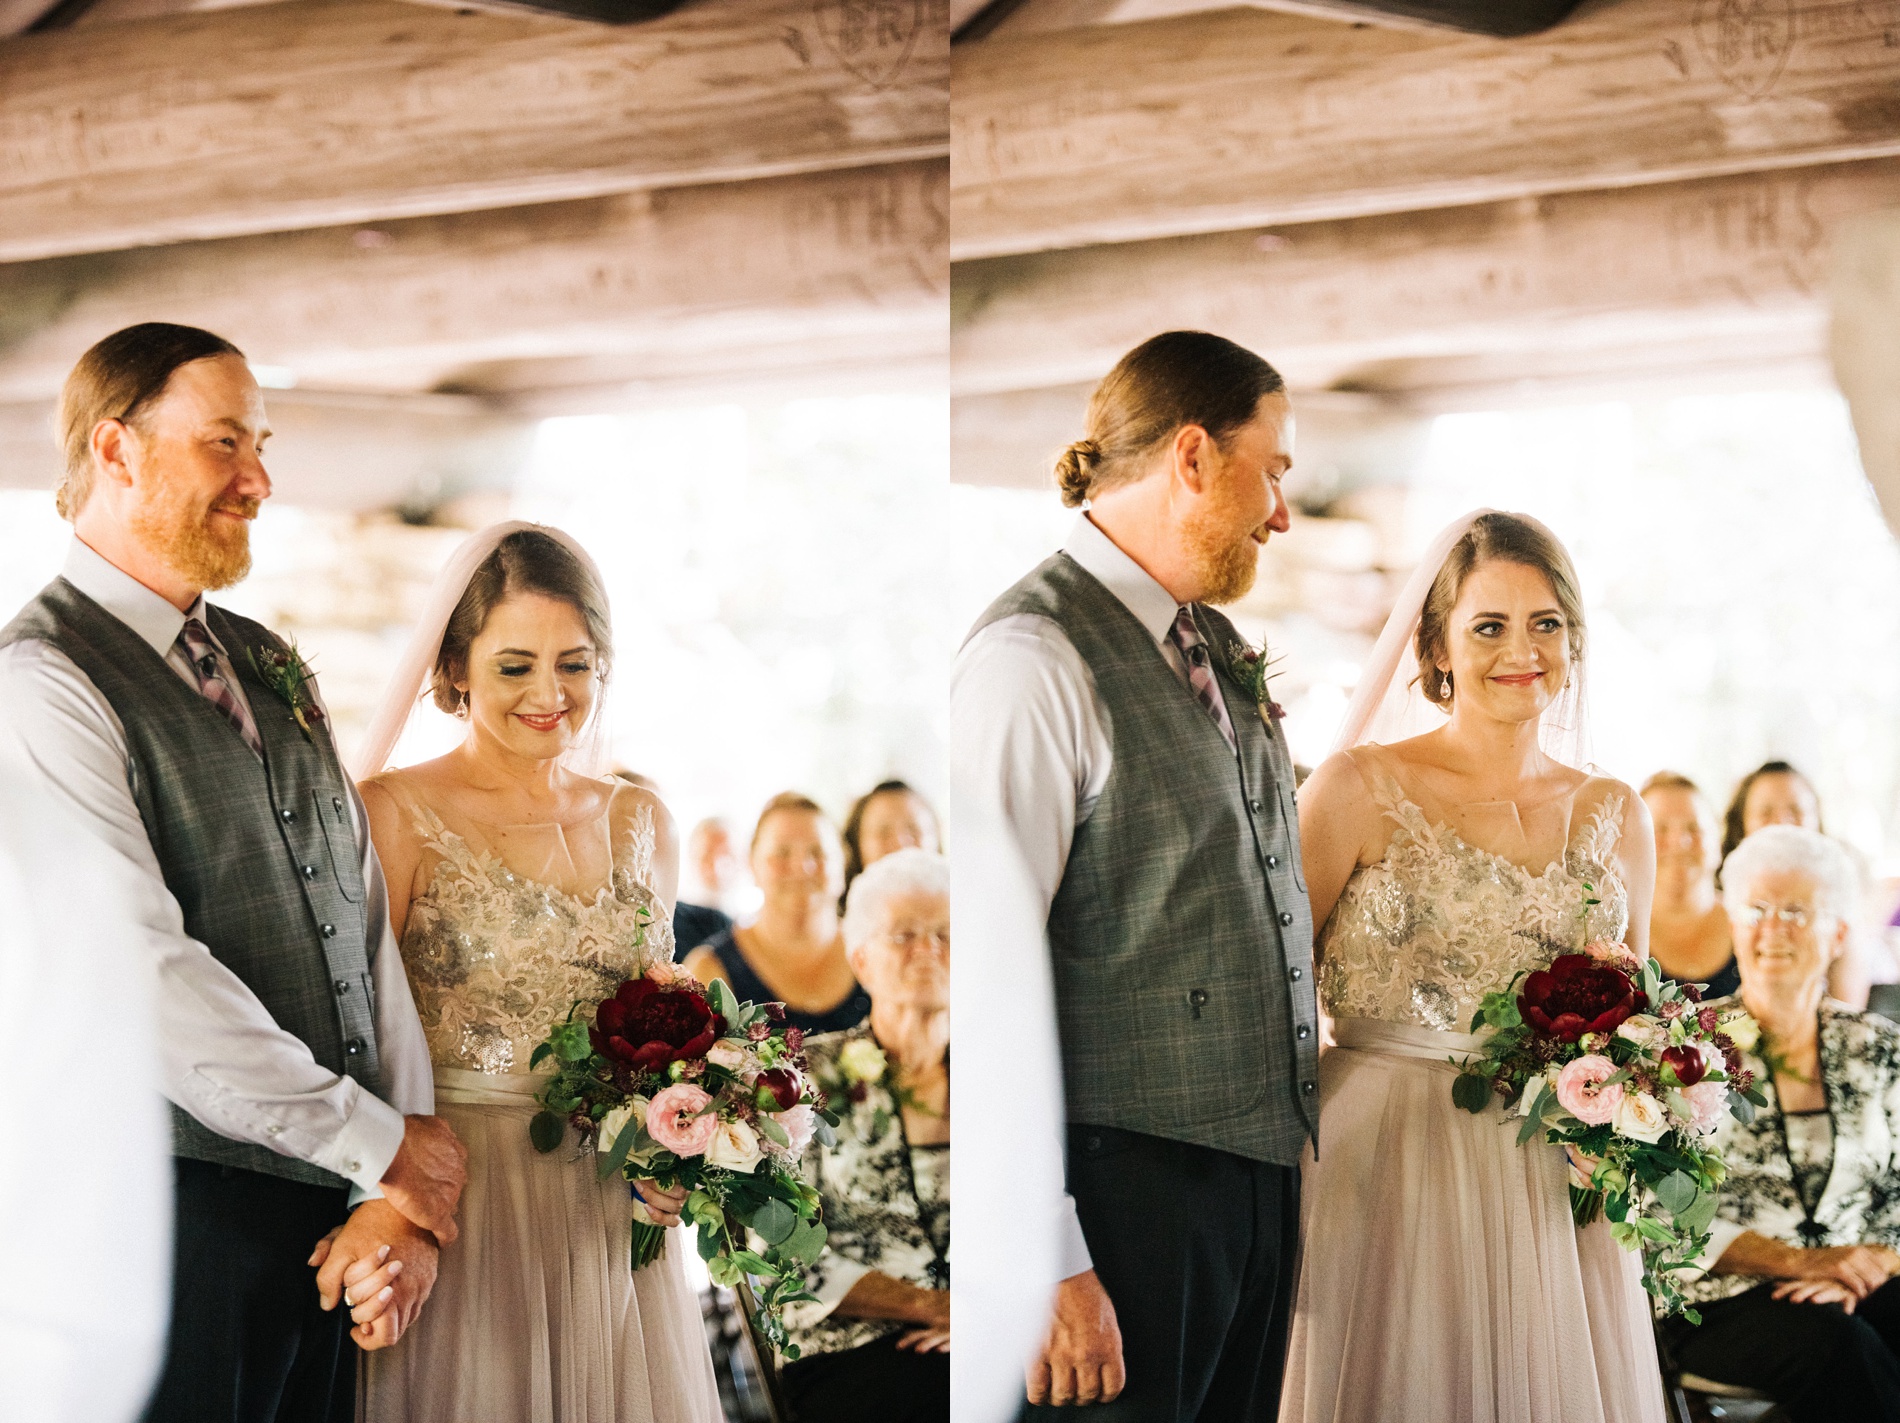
(1643, 1030)
(727, 1054)
(1641, 1118)
(611, 1125)
(735, 1146)
(1743, 1031)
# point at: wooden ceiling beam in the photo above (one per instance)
(325, 112)
(1216, 122)
(715, 275)
(1741, 258)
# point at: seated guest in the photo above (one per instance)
(793, 952)
(708, 873)
(1799, 1302)
(890, 816)
(875, 1345)
(1775, 793)
(1688, 928)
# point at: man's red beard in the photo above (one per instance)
(1225, 568)
(200, 546)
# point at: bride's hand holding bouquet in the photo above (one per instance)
(1631, 1073)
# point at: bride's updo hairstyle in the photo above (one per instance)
(1506, 538)
(1174, 379)
(526, 561)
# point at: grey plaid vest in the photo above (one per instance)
(1181, 937)
(261, 856)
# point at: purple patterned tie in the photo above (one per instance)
(1193, 648)
(203, 654)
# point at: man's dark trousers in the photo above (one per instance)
(248, 1341)
(1197, 1249)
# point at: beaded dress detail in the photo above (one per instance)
(536, 1316)
(495, 958)
(1442, 1275)
(1421, 936)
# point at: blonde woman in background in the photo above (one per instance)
(1688, 928)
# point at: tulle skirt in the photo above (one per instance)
(537, 1316)
(1442, 1277)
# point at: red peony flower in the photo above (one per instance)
(1578, 994)
(780, 1086)
(649, 1025)
(1688, 1062)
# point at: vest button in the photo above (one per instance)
(1296, 974)
(329, 930)
(1309, 1088)
(1273, 862)
(1198, 997)
(1254, 806)
(309, 871)
(287, 816)
(1286, 920)
(343, 986)
(337, 801)
(353, 1046)
(1302, 1031)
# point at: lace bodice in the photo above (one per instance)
(1421, 936)
(495, 958)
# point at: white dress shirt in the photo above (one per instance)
(86, 1173)
(1029, 755)
(222, 1057)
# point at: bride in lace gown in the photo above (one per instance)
(1442, 1277)
(519, 885)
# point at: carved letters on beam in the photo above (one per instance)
(331, 111)
(1744, 257)
(1215, 122)
(714, 274)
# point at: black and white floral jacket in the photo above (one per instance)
(886, 1207)
(1860, 1065)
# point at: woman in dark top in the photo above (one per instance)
(793, 953)
(1688, 929)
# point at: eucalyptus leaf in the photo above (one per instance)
(821, 1129)
(769, 1127)
(806, 1242)
(774, 1221)
(617, 1158)
(1676, 1192)
(545, 1131)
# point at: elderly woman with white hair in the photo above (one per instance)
(875, 1344)
(1799, 1301)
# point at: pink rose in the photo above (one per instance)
(673, 1119)
(1709, 1102)
(798, 1123)
(1580, 1090)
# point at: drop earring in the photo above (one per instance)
(461, 708)
(1444, 687)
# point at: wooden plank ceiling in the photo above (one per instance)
(1645, 195)
(390, 202)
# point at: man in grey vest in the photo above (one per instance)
(191, 746)
(1123, 812)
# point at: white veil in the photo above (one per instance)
(403, 697)
(1388, 705)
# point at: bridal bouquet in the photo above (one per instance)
(688, 1087)
(1602, 1054)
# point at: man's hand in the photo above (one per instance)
(1818, 1292)
(386, 1263)
(425, 1179)
(1082, 1360)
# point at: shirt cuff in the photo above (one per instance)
(1722, 1234)
(361, 1152)
(1072, 1247)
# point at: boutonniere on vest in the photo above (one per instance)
(1251, 667)
(285, 672)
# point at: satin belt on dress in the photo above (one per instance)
(462, 1088)
(1400, 1040)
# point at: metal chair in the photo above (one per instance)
(1693, 1399)
(763, 1357)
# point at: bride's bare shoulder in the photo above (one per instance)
(1341, 784)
